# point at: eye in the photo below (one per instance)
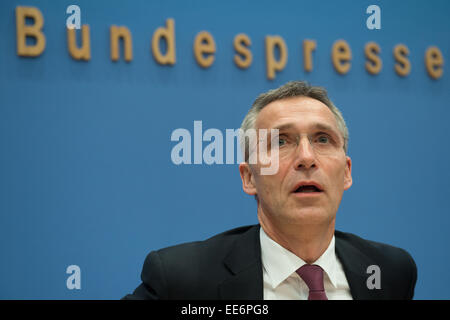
(323, 139)
(282, 141)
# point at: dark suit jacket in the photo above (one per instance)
(228, 266)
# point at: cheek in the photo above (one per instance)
(336, 176)
(269, 186)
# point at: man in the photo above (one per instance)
(294, 252)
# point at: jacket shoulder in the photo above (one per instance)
(397, 267)
(188, 269)
(373, 248)
(215, 245)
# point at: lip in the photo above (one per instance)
(307, 194)
(307, 183)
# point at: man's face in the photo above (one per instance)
(310, 152)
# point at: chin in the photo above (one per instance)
(309, 216)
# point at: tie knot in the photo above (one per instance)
(313, 276)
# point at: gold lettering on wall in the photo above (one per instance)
(341, 55)
(272, 64)
(308, 47)
(83, 53)
(168, 33)
(434, 62)
(403, 67)
(244, 57)
(30, 22)
(373, 63)
(24, 30)
(204, 49)
(117, 33)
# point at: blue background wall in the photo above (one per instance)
(86, 176)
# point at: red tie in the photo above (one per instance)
(313, 276)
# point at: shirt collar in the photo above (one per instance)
(280, 263)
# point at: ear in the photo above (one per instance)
(348, 181)
(248, 181)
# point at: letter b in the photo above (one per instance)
(24, 30)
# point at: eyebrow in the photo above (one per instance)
(317, 125)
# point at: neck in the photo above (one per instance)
(307, 242)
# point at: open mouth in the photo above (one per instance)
(307, 189)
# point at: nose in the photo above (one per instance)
(305, 156)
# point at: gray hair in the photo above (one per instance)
(289, 90)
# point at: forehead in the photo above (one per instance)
(301, 111)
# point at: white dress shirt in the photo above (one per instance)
(281, 282)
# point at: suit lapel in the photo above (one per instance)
(245, 266)
(355, 264)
